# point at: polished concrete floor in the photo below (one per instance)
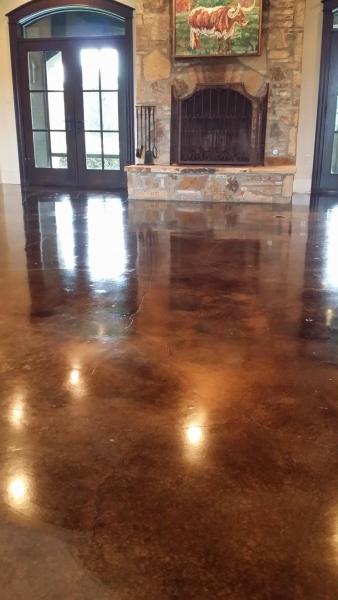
(169, 400)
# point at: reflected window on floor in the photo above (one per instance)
(65, 234)
(107, 255)
(331, 270)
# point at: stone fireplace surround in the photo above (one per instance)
(279, 66)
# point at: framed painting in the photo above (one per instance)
(203, 28)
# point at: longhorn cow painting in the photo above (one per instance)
(216, 28)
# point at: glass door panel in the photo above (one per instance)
(328, 163)
(47, 103)
(334, 162)
(100, 89)
(74, 112)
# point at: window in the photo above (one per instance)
(46, 82)
(335, 19)
(74, 23)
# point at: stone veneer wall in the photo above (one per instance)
(279, 65)
(270, 185)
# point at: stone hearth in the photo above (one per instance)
(211, 184)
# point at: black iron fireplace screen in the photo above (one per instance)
(220, 124)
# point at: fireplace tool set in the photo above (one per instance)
(146, 134)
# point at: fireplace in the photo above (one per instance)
(218, 125)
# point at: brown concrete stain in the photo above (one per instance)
(168, 389)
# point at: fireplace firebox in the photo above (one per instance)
(218, 125)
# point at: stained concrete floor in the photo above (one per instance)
(169, 400)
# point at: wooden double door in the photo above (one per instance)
(74, 99)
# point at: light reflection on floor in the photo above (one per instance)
(106, 243)
(331, 269)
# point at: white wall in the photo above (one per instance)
(9, 164)
(309, 95)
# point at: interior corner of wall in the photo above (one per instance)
(302, 186)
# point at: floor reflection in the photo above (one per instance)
(78, 249)
(16, 411)
(64, 231)
(320, 302)
(107, 256)
(331, 269)
(17, 490)
(168, 386)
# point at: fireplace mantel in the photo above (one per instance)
(223, 169)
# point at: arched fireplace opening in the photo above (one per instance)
(219, 124)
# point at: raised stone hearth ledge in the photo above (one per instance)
(263, 184)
